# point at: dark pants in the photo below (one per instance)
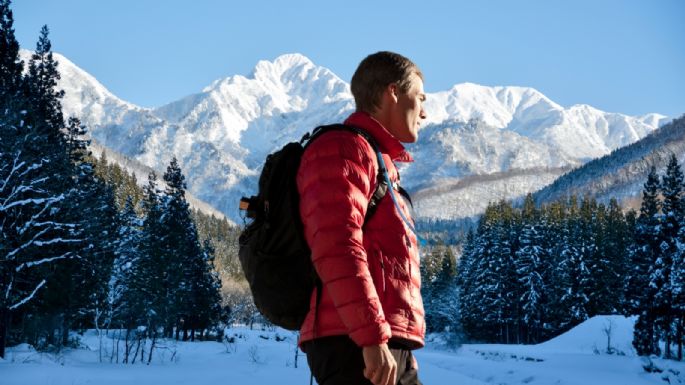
(339, 361)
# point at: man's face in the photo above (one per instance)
(408, 112)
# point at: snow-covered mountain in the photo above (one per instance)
(222, 134)
(622, 173)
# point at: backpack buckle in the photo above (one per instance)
(249, 206)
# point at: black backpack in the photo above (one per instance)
(274, 254)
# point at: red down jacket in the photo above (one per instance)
(371, 279)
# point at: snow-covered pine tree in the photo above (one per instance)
(189, 267)
(78, 286)
(96, 212)
(574, 273)
(630, 259)
(151, 276)
(591, 226)
(495, 284)
(509, 287)
(640, 292)
(678, 286)
(647, 240)
(554, 235)
(660, 286)
(530, 260)
(11, 66)
(606, 258)
(124, 300)
(11, 118)
(207, 291)
(444, 301)
(479, 314)
(40, 86)
(428, 271)
(464, 281)
(672, 208)
(672, 213)
(33, 166)
(612, 253)
(644, 335)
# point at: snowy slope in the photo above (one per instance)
(469, 196)
(142, 172)
(222, 134)
(257, 357)
(622, 173)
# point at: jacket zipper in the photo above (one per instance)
(382, 272)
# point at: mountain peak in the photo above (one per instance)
(292, 60)
(281, 66)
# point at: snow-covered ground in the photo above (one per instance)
(268, 357)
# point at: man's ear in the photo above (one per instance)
(393, 91)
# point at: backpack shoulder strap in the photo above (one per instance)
(381, 183)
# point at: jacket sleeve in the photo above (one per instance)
(335, 186)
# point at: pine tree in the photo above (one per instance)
(152, 269)
(182, 238)
(647, 240)
(554, 236)
(661, 278)
(644, 339)
(125, 288)
(188, 265)
(575, 275)
(479, 312)
(443, 302)
(673, 210)
(646, 278)
(34, 231)
(612, 254)
(207, 289)
(465, 284)
(495, 288)
(40, 85)
(10, 65)
(530, 269)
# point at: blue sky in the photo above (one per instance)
(623, 56)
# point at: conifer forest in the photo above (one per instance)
(529, 273)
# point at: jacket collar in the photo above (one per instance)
(388, 143)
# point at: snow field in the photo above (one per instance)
(578, 357)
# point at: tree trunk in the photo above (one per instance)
(143, 340)
(4, 328)
(135, 355)
(127, 348)
(152, 347)
(680, 338)
(65, 329)
(668, 354)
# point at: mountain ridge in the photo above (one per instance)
(222, 134)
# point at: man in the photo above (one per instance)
(370, 314)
